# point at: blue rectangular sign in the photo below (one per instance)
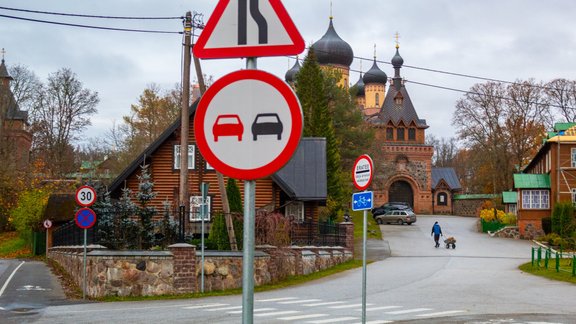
(362, 200)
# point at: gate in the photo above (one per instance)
(401, 191)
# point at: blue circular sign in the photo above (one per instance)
(85, 218)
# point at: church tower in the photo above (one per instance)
(404, 163)
(375, 81)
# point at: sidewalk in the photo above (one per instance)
(376, 250)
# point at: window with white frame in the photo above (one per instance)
(295, 211)
(190, 157)
(535, 199)
(512, 209)
(573, 157)
(442, 199)
(574, 196)
(195, 211)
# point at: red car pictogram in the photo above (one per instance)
(228, 125)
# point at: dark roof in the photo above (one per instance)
(4, 72)
(359, 87)
(304, 176)
(291, 74)
(375, 75)
(395, 113)
(331, 49)
(448, 175)
(61, 207)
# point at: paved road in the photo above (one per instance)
(26, 287)
(478, 282)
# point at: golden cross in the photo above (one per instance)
(397, 36)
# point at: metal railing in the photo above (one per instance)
(560, 263)
(317, 234)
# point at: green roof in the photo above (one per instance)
(510, 197)
(563, 126)
(531, 181)
(475, 196)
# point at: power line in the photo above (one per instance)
(92, 27)
(89, 16)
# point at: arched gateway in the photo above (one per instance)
(401, 191)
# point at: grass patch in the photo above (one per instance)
(373, 228)
(13, 246)
(550, 273)
(290, 281)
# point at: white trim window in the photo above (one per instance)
(535, 199)
(574, 196)
(295, 211)
(191, 155)
(573, 157)
(195, 204)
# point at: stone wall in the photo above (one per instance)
(507, 232)
(468, 207)
(179, 270)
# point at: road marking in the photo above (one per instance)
(276, 299)
(204, 306)
(10, 278)
(300, 317)
(255, 311)
(348, 306)
(324, 304)
(30, 287)
(407, 311)
(442, 313)
(277, 313)
(223, 308)
(378, 322)
(332, 320)
(379, 308)
(299, 301)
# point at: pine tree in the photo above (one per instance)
(235, 201)
(144, 195)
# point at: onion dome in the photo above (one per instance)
(397, 60)
(359, 87)
(331, 49)
(375, 75)
(291, 74)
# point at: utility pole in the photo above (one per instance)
(221, 186)
(185, 118)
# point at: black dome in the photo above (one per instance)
(291, 74)
(331, 49)
(397, 60)
(359, 87)
(375, 75)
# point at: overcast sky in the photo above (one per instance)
(499, 39)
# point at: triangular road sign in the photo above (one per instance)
(249, 28)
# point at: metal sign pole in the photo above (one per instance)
(203, 212)
(84, 268)
(364, 234)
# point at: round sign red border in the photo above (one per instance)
(80, 211)
(295, 134)
(78, 200)
(363, 157)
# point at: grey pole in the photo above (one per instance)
(84, 267)
(249, 240)
(203, 207)
(364, 233)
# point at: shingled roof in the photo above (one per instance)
(396, 113)
(448, 175)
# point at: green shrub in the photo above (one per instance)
(563, 222)
(28, 214)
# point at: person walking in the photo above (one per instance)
(437, 232)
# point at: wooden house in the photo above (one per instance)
(297, 190)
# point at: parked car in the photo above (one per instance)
(389, 206)
(405, 216)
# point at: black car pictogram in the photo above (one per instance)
(267, 124)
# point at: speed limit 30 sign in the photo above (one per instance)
(85, 196)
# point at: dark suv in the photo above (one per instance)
(389, 206)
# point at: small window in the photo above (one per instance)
(295, 211)
(411, 134)
(442, 199)
(390, 133)
(573, 156)
(574, 196)
(191, 155)
(195, 205)
(400, 134)
(377, 99)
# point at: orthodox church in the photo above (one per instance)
(403, 169)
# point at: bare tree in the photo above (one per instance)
(61, 111)
(562, 94)
(445, 150)
(25, 86)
